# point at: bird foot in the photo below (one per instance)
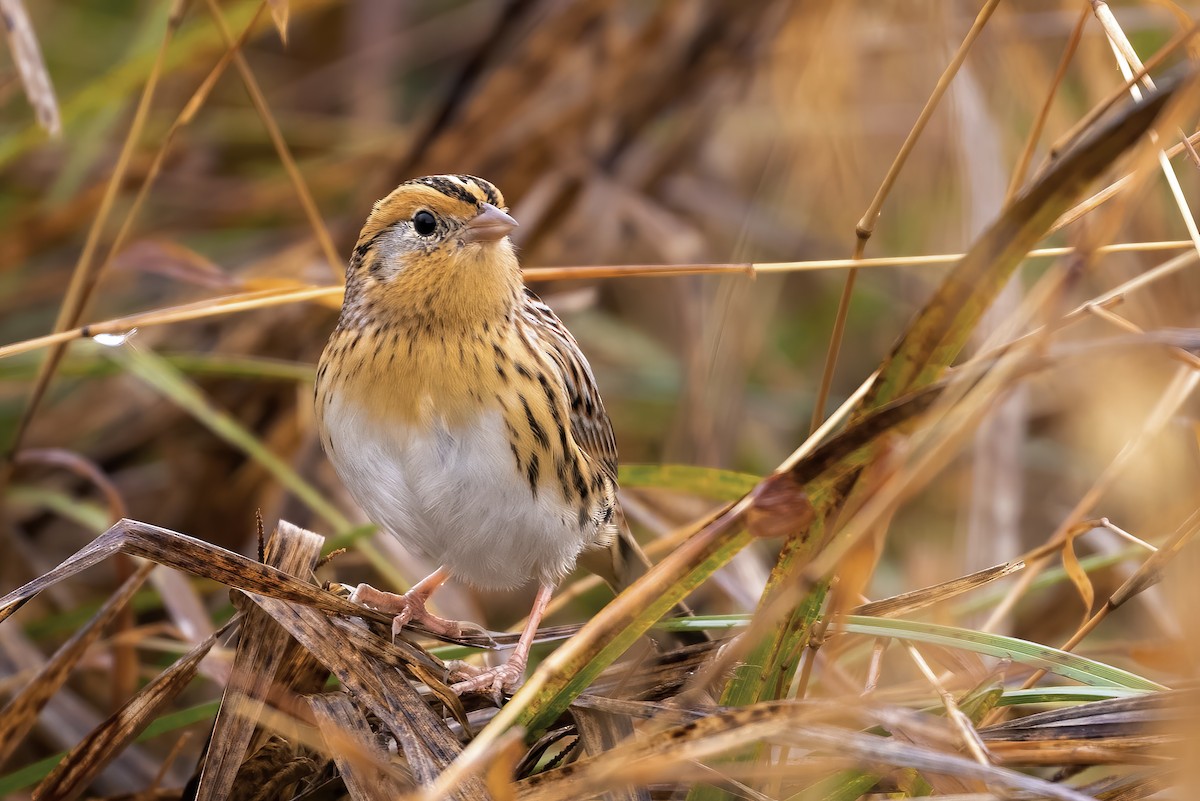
(495, 680)
(407, 608)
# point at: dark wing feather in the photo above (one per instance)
(590, 426)
(622, 562)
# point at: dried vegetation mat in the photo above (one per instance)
(320, 702)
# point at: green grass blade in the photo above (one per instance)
(1044, 657)
(92, 516)
(1065, 695)
(1065, 664)
(33, 773)
(845, 786)
(158, 374)
(706, 482)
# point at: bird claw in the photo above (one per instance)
(407, 608)
(495, 680)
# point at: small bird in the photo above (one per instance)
(461, 415)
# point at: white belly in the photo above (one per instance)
(456, 498)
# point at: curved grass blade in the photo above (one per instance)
(161, 376)
(157, 373)
(1068, 665)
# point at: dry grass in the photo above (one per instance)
(969, 581)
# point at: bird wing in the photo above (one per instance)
(590, 426)
(621, 561)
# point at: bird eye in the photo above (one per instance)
(424, 223)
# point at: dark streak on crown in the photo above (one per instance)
(450, 189)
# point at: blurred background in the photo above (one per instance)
(621, 132)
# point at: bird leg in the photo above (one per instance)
(410, 607)
(505, 676)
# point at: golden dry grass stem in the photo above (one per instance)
(753, 268)
(961, 723)
(1120, 42)
(1039, 557)
(213, 307)
(1129, 64)
(1067, 530)
(1147, 574)
(185, 117)
(1035, 132)
(332, 294)
(948, 425)
(835, 344)
(87, 270)
(1125, 535)
(1094, 113)
(1180, 388)
(866, 224)
(299, 185)
(1109, 192)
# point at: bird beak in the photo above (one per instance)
(489, 225)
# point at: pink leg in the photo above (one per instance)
(410, 607)
(511, 672)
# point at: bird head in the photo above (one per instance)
(439, 241)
